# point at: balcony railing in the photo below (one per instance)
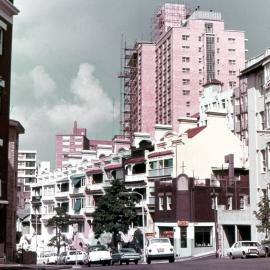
(160, 172)
(135, 177)
(88, 210)
(36, 199)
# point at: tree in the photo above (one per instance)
(60, 221)
(263, 215)
(115, 211)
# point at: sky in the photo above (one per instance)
(66, 58)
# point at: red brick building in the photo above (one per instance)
(7, 11)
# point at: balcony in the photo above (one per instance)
(36, 199)
(78, 190)
(160, 172)
(94, 189)
(140, 177)
(89, 210)
(62, 195)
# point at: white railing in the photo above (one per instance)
(135, 177)
(160, 172)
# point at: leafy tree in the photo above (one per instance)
(115, 211)
(60, 221)
(263, 215)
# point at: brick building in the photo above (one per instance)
(7, 11)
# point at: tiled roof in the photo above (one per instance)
(161, 153)
(194, 131)
(113, 166)
(134, 160)
(93, 171)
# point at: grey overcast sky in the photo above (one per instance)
(66, 57)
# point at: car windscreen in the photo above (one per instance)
(250, 244)
(128, 250)
(97, 248)
(160, 240)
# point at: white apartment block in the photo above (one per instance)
(215, 98)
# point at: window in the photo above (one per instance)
(242, 204)
(187, 114)
(217, 50)
(263, 161)
(232, 84)
(188, 103)
(267, 111)
(48, 208)
(217, 39)
(231, 50)
(232, 62)
(185, 59)
(186, 81)
(161, 203)
(80, 226)
(262, 121)
(208, 28)
(223, 103)
(185, 47)
(229, 203)
(186, 92)
(183, 236)
(232, 72)
(231, 40)
(200, 60)
(203, 237)
(185, 70)
(185, 37)
(200, 49)
(200, 38)
(217, 61)
(169, 202)
(3, 27)
(200, 71)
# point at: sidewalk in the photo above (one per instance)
(33, 266)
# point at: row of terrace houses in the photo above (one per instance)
(194, 184)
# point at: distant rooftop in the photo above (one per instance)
(206, 15)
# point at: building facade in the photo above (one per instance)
(190, 50)
(70, 144)
(256, 97)
(7, 11)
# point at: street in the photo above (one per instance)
(200, 264)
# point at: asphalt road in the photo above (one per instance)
(199, 264)
(196, 264)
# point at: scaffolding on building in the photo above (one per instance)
(128, 79)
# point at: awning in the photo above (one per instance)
(93, 171)
(161, 153)
(76, 176)
(77, 206)
(75, 181)
(113, 166)
(134, 160)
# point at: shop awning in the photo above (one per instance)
(77, 205)
(161, 153)
(77, 176)
(75, 181)
(94, 171)
(113, 166)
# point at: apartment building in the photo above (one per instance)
(70, 144)
(254, 124)
(215, 98)
(7, 11)
(164, 79)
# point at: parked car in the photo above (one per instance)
(244, 249)
(62, 257)
(73, 255)
(47, 258)
(99, 255)
(159, 249)
(126, 255)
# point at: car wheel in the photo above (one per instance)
(171, 260)
(109, 263)
(112, 263)
(231, 256)
(136, 262)
(244, 255)
(148, 261)
(127, 262)
(121, 262)
(89, 264)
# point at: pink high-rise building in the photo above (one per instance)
(70, 144)
(163, 79)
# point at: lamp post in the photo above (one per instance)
(143, 225)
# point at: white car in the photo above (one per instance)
(159, 249)
(47, 258)
(244, 249)
(75, 255)
(99, 255)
